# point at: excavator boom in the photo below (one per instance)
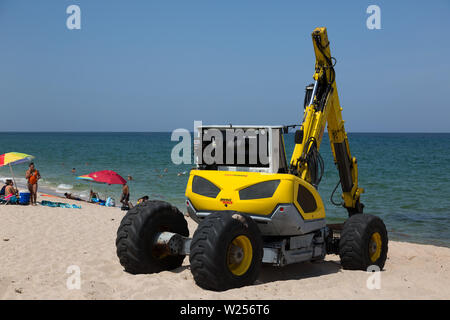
(322, 107)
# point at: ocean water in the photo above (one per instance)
(406, 176)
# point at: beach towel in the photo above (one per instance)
(98, 201)
(59, 204)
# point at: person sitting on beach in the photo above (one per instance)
(94, 198)
(142, 200)
(2, 191)
(9, 188)
(125, 198)
(33, 176)
(92, 195)
(11, 193)
(69, 196)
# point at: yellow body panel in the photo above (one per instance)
(231, 182)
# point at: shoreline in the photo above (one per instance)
(398, 236)
(42, 189)
(58, 190)
(40, 244)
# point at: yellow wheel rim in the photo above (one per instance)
(375, 246)
(239, 255)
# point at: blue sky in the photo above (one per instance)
(159, 65)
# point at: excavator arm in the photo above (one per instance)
(322, 107)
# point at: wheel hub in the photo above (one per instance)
(236, 254)
(375, 246)
(239, 255)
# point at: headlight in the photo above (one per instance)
(260, 190)
(204, 187)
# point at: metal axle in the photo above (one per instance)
(172, 243)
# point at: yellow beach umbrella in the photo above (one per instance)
(12, 158)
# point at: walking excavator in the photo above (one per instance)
(253, 207)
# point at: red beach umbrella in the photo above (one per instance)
(104, 176)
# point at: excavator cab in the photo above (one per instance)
(240, 148)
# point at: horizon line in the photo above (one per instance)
(412, 132)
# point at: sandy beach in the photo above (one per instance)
(39, 244)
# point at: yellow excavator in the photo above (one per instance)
(252, 207)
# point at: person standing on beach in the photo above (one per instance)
(32, 176)
(125, 198)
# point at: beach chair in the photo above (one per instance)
(11, 199)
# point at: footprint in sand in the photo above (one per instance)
(98, 290)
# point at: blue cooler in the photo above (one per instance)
(24, 198)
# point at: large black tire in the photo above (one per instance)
(136, 234)
(210, 251)
(358, 247)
